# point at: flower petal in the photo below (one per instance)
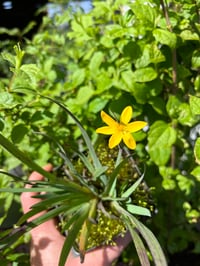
(105, 130)
(129, 141)
(108, 119)
(126, 115)
(136, 126)
(114, 140)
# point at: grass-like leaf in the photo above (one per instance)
(90, 147)
(79, 219)
(111, 186)
(139, 245)
(12, 236)
(152, 242)
(129, 191)
(10, 147)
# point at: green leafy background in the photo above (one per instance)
(119, 53)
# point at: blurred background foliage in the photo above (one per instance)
(107, 55)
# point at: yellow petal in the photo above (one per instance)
(126, 115)
(105, 130)
(129, 141)
(136, 126)
(114, 140)
(107, 119)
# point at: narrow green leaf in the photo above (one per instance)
(94, 157)
(23, 157)
(152, 242)
(45, 217)
(110, 189)
(17, 178)
(20, 190)
(140, 248)
(72, 234)
(86, 162)
(134, 209)
(129, 191)
(98, 172)
(150, 239)
(14, 235)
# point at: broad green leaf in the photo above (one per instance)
(77, 79)
(197, 83)
(83, 95)
(197, 150)
(189, 35)
(185, 183)
(195, 105)
(196, 173)
(9, 57)
(168, 184)
(103, 82)
(18, 133)
(151, 54)
(161, 137)
(180, 111)
(172, 106)
(144, 12)
(165, 37)
(158, 104)
(144, 74)
(95, 63)
(7, 100)
(97, 105)
(185, 115)
(32, 71)
(196, 59)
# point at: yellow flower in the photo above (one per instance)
(121, 130)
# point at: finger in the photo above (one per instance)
(27, 199)
(106, 254)
(110, 253)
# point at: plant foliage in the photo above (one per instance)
(143, 54)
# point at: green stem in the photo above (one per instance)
(174, 55)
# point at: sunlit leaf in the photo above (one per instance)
(197, 150)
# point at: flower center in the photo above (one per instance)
(122, 128)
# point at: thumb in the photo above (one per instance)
(27, 199)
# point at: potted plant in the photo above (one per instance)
(100, 194)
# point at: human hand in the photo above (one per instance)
(47, 241)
